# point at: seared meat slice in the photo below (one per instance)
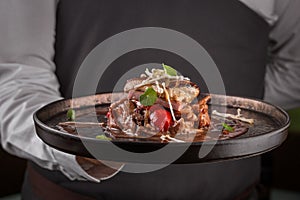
(132, 83)
(120, 116)
(204, 119)
(183, 90)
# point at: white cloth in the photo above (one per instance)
(27, 79)
(282, 85)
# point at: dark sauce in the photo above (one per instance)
(262, 125)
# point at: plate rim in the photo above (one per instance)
(44, 126)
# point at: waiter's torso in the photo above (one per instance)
(235, 37)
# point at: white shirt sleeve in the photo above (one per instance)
(263, 8)
(27, 82)
(282, 81)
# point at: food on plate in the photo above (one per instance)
(159, 101)
(162, 105)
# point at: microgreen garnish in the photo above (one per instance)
(169, 70)
(71, 115)
(103, 137)
(227, 127)
(149, 97)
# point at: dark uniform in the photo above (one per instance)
(235, 37)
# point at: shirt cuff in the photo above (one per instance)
(71, 169)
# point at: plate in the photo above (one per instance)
(268, 132)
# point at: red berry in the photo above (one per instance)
(160, 118)
(108, 115)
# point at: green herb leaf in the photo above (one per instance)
(103, 137)
(169, 70)
(71, 115)
(227, 127)
(149, 97)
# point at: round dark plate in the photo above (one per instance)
(268, 132)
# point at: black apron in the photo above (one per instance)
(236, 38)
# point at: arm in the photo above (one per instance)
(27, 82)
(283, 72)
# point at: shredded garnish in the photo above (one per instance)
(159, 89)
(238, 116)
(158, 74)
(169, 101)
(164, 137)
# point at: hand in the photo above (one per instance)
(97, 169)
